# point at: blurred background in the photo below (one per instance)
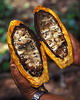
(64, 82)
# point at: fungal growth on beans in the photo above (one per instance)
(27, 50)
(50, 31)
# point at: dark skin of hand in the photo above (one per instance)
(29, 91)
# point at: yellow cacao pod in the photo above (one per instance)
(53, 36)
(27, 53)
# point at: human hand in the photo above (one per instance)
(76, 50)
(22, 84)
(26, 89)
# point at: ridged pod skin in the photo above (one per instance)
(41, 14)
(34, 80)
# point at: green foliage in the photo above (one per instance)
(32, 27)
(2, 30)
(4, 67)
(4, 63)
(5, 15)
(6, 11)
(71, 19)
(3, 39)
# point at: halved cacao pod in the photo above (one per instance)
(27, 53)
(53, 36)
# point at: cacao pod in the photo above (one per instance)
(53, 36)
(27, 53)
